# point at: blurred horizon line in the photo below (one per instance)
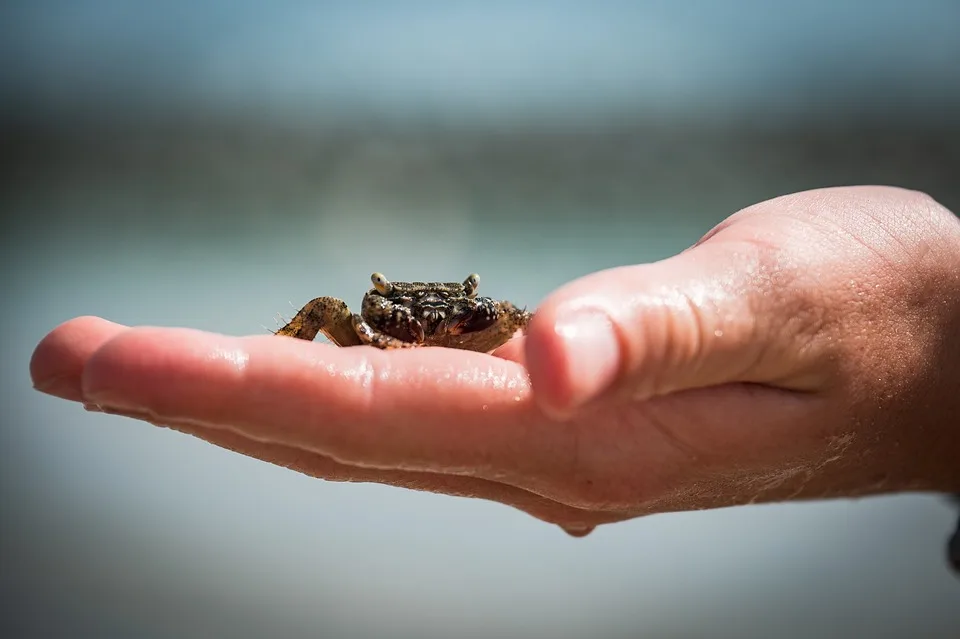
(28, 116)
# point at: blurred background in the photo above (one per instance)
(214, 164)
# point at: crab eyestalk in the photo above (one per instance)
(471, 284)
(381, 283)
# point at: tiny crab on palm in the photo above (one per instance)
(411, 314)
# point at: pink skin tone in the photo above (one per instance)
(808, 347)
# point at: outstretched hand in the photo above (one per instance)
(807, 347)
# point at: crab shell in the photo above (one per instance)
(413, 314)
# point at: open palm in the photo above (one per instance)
(804, 348)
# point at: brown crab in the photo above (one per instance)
(412, 314)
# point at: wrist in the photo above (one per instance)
(936, 411)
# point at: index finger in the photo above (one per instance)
(56, 366)
(419, 409)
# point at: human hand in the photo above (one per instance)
(808, 347)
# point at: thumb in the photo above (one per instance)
(728, 310)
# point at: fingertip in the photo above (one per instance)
(513, 351)
(59, 359)
(144, 363)
(543, 354)
(573, 354)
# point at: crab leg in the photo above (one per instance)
(326, 315)
(374, 338)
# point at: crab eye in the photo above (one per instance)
(381, 283)
(470, 284)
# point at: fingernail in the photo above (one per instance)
(133, 413)
(62, 386)
(592, 354)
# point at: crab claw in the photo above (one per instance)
(416, 330)
(469, 320)
(407, 328)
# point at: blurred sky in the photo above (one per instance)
(476, 61)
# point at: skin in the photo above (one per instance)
(807, 347)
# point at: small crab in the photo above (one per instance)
(412, 314)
